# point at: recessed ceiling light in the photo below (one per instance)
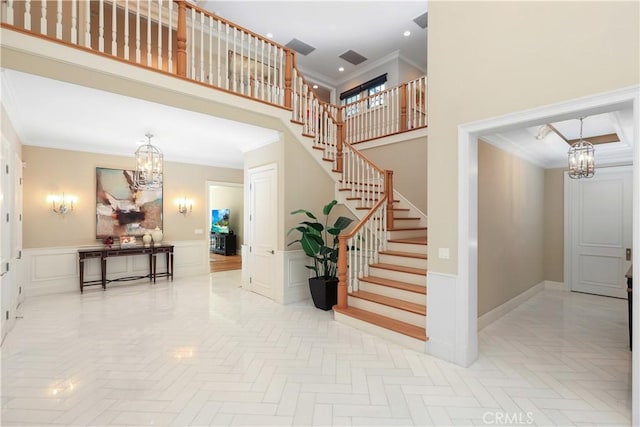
(341, 69)
(407, 33)
(315, 86)
(269, 35)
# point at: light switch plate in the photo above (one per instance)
(443, 253)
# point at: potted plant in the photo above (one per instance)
(320, 242)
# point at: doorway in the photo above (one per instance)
(464, 345)
(226, 225)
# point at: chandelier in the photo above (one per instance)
(581, 158)
(148, 174)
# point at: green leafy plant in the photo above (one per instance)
(320, 241)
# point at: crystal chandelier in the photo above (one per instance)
(148, 174)
(581, 158)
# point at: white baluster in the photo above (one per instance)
(192, 44)
(138, 52)
(101, 26)
(242, 63)
(226, 54)
(87, 25)
(219, 61)
(159, 63)
(9, 11)
(170, 38)
(114, 29)
(235, 61)
(201, 77)
(43, 17)
(210, 50)
(149, 55)
(27, 15)
(59, 20)
(126, 29)
(74, 21)
(261, 79)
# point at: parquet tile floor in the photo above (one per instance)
(203, 351)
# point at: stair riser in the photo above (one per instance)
(393, 292)
(405, 223)
(385, 310)
(407, 247)
(415, 279)
(401, 214)
(405, 234)
(401, 339)
(404, 261)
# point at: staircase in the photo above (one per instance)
(388, 296)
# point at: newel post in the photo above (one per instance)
(340, 143)
(404, 88)
(342, 271)
(388, 189)
(288, 78)
(181, 54)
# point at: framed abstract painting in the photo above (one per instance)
(123, 210)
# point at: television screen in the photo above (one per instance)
(220, 221)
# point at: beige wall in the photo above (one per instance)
(554, 225)
(408, 160)
(510, 226)
(488, 59)
(54, 171)
(221, 197)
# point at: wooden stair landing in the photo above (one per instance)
(394, 325)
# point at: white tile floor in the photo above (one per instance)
(202, 351)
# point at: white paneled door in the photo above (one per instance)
(263, 225)
(601, 231)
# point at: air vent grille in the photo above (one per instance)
(353, 57)
(301, 47)
(421, 20)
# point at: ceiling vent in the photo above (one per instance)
(353, 57)
(421, 20)
(301, 47)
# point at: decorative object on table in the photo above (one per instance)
(123, 210)
(320, 242)
(157, 236)
(581, 158)
(127, 242)
(149, 164)
(146, 239)
(108, 242)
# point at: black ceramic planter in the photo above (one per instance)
(324, 292)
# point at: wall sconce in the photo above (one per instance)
(185, 206)
(61, 204)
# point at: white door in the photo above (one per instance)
(263, 225)
(601, 231)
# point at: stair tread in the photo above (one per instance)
(411, 240)
(391, 302)
(395, 284)
(401, 209)
(406, 228)
(384, 322)
(404, 254)
(406, 218)
(400, 268)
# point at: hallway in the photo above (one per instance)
(203, 351)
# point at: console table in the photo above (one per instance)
(106, 253)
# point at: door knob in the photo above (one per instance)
(628, 254)
(272, 252)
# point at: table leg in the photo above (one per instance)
(81, 275)
(155, 266)
(170, 263)
(152, 273)
(103, 271)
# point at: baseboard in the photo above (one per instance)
(501, 310)
(556, 286)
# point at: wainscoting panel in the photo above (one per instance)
(296, 277)
(55, 269)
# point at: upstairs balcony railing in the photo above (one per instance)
(179, 38)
